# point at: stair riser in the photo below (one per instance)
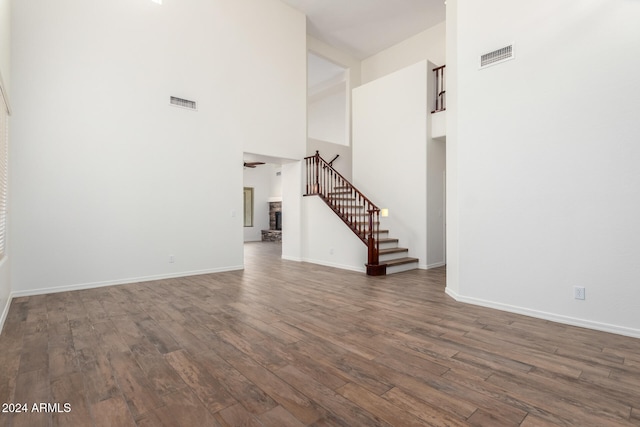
(403, 267)
(388, 245)
(395, 255)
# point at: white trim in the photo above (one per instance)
(335, 265)
(92, 285)
(583, 323)
(5, 312)
(436, 265)
(291, 258)
(5, 95)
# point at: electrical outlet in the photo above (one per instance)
(331, 251)
(171, 260)
(578, 292)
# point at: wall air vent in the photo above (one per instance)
(497, 56)
(184, 103)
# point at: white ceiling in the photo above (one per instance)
(365, 27)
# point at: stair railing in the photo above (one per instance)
(353, 207)
(439, 83)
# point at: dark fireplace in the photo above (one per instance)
(278, 220)
(274, 233)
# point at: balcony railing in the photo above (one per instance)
(441, 99)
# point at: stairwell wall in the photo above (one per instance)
(390, 152)
(327, 240)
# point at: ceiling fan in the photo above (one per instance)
(252, 164)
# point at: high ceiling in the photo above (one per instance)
(365, 27)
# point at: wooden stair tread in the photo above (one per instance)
(387, 239)
(381, 232)
(392, 251)
(399, 261)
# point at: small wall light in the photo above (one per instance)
(384, 212)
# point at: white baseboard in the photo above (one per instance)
(436, 265)
(335, 265)
(92, 285)
(291, 258)
(567, 320)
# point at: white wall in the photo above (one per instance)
(292, 215)
(328, 151)
(5, 41)
(547, 155)
(275, 189)
(353, 70)
(390, 153)
(107, 179)
(338, 57)
(270, 61)
(327, 115)
(452, 215)
(260, 179)
(436, 166)
(429, 44)
(5, 77)
(327, 240)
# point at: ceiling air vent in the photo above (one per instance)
(184, 103)
(497, 56)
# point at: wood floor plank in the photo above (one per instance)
(69, 389)
(158, 336)
(237, 415)
(430, 414)
(254, 399)
(578, 410)
(112, 412)
(34, 355)
(379, 406)
(279, 416)
(340, 410)
(204, 386)
(62, 357)
(280, 391)
(32, 387)
(133, 383)
(285, 343)
(182, 409)
(100, 383)
(161, 376)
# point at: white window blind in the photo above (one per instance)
(4, 142)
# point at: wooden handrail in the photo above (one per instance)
(355, 209)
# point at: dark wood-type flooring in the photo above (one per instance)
(292, 344)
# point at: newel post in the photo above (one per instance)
(373, 265)
(316, 185)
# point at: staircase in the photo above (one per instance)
(360, 215)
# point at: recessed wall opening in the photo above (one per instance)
(262, 175)
(327, 100)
